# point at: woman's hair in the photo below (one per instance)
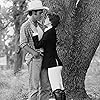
(55, 19)
(30, 13)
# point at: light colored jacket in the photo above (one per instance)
(26, 32)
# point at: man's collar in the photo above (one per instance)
(49, 27)
(33, 22)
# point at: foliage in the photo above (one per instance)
(11, 17)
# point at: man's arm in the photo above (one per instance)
(31, 51)
(24, 43)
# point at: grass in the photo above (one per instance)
(16, 87)
(13, 87)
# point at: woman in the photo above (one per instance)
(51, 60)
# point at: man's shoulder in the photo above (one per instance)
(49, 30)
(25, 24)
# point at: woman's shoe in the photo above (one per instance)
(59, 94)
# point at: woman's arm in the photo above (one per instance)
(40, 44)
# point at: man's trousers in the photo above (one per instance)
(39, 84)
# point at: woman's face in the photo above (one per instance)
(47, 21)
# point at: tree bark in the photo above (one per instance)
(86, 38)
(18, 15)
(78, 39)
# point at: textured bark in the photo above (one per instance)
(18, 15)
(78, 39)
(86, 38)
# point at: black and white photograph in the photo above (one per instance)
(49, 50)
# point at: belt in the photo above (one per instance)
(36, 57)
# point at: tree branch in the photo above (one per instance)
(5, 26)
(77, 2)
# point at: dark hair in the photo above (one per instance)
(30, 12)
(55, 19)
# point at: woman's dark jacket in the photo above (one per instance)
(48, 43)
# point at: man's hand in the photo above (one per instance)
(36, 54)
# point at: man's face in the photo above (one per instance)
(37, 15)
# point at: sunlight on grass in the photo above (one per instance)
(16, 87)
(13, 87)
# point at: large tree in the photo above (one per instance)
(78, 39)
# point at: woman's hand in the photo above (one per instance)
(36, 55)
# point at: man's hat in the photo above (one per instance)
(36, 5)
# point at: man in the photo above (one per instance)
(34, 58)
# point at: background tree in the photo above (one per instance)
(5, 23)
(19, 6)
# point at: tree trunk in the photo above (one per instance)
(18, 20)
(86, 38)
(18, 54)
(78, 39)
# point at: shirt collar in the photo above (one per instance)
(34, 23)
(48, 27)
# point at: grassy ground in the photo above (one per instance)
(13, 88)
(16, 87)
